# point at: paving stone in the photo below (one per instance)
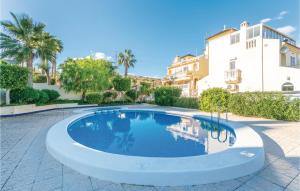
(275, 177)
(174, 188)
(261, 184)
(99, 185)
(129, 187)
(76, 182)
(26, 164)
(48, 185)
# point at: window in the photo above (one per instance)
(232, 65)
(253, 32)
(293, 61)
(287, 86)
(250, 33)
(235, 38)
(256, 31)
(186, 68)
(197, 66)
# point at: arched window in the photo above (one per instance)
(287, 86)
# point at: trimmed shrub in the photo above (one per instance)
(109, 96)
(214, 99)
(23, 96)
(39, 78)
(52, 94)
(121, 84)
(264, 104)
(166, 96)
(292, 111)
(132, 95)
(52, 81)
(13, 76)
(94, 98)
(187, 102)
(43, 97)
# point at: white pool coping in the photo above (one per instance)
(246, 156)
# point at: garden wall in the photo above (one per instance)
(62, 92)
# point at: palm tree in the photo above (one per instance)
(57, 49)
(20, 40)
(48, 47)
(127, 59)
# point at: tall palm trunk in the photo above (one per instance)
(53, 72)
(30, 68)
(48, 77)
(126, 70)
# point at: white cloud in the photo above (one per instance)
(265, 20)
(101, 55)
(97, 56)
(287, 29)
(281, 15)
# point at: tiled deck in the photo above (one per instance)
(26, 164)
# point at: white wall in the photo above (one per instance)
(62, 92)
(276, 75)
(249, 61)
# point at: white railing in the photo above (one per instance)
(232, 75)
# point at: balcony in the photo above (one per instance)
(232, 76)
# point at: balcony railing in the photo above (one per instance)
(232, 76)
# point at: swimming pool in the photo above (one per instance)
(150, 134)
(154, 147)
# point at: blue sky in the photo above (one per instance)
(155, 30)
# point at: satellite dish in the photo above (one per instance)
(284, 50)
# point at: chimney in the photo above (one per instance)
(244, 24)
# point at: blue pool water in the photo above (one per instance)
(150, 134)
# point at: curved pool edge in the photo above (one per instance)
(243, 158)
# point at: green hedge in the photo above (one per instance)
(13, 76)
(214, 99)
(132, 95)
(52, 94)
(109, 96)
(43, 98)
(187, 102)
(29, 95)
(94, 98)
(166, 96)
(267, 105)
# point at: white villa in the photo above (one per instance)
(253, 58)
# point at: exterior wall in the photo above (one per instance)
(259, 65)
(275, 74)
(185, 72)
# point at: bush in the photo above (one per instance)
(43, 97)
(94, 98)
(132, 95)
(13, 76)
(52, 81)
(52, 94)
(264, 104)
(39, 78)
(187, 102)
(166, 95)
(109, 96)
(121, 84)
(214, 99)
(23, 96)
(292, 111)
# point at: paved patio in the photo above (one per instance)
(26, 164)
